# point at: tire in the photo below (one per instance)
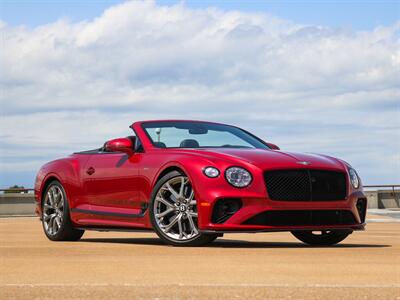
(56, 220)
(326, 238)
(178, 227)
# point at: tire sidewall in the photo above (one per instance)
(60, 234)
(334, 237)
(195, 241)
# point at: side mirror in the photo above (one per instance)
(273, 146)
(120, 145)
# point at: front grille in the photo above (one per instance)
(302, 218)
(305, 185)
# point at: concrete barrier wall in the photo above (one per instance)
(383, 199)
(388, 199)
(17, 204)
(24, 204)
(372, 197)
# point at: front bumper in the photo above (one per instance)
(307, 215)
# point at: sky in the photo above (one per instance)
(310, 76)
(355, 14)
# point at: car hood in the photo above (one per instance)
(272, 159)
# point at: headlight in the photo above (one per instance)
(211, 172)
(354, 178)
(238, 177)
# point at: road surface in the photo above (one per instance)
(256, 266)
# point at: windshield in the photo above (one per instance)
(199, 135)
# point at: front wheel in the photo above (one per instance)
(173, 212)
(321, 238)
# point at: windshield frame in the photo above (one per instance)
(244, 132)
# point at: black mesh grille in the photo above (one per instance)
(305, 185)
(303, 218)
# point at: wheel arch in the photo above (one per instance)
(174, 166)
(167, 170)
(46, 182)
(185, 166)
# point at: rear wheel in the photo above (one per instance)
(173, 212)
(321, 238)
(55, 215)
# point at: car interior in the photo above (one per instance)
(188, 143)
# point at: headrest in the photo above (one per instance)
(189, 143)
(160, 145)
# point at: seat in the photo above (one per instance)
(160, 145)
(189, 143)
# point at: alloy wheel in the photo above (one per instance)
(175, 209)
(53, 210)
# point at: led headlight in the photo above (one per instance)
(238, 177)
(211, 172)
(354, 178)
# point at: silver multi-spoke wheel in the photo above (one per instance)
(53, 210)
(175, 209)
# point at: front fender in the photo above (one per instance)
(67, 172)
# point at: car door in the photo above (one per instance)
(111, 183)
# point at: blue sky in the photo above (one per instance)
(354, 14)
(319, 77)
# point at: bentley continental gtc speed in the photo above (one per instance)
(192, 181)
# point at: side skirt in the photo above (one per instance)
(107, 213)
(107, 229)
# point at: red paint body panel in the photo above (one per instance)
(119, 183)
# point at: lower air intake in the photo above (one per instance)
(224, 209)
(362, 208)
(302, 218)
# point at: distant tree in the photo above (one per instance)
(15, 189)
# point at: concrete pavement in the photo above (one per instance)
(138, 265)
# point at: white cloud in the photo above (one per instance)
(68, 86)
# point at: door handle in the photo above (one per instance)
(90, 171)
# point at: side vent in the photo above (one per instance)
(362, 208)
(224, 209)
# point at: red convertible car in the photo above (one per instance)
(192, 181)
